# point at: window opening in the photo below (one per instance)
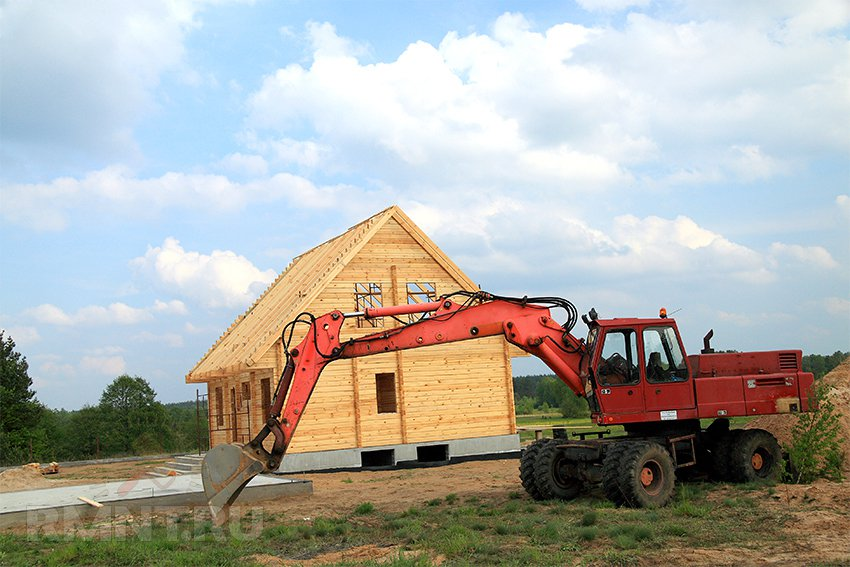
(368, 295)
(233, 423)
(618, 361)
(417, 293)
(664, 360)
(219, 407)
(266, 390)
(246, 392)
(385, 392)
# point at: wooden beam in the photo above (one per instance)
(355, 383)
(402, 409)
(509, 387)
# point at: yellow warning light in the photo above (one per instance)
(663, 313)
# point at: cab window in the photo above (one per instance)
(663, 358)
(618, 360)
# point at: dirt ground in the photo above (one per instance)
(818, 530)
(17, 479)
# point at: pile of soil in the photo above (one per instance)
(839, 395)
(22, 478)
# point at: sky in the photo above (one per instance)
(162, 161)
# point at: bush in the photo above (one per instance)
(815, 450)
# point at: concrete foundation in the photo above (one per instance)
(393, 455)
(51, 505)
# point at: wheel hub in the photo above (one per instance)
(646, 477)
(757, 461)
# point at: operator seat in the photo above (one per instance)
(654, 370)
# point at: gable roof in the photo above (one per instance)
(256, 330)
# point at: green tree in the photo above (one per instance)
(816, 449)
(189, 426)
(133, 421)
(83, 432)
(820, 365)
(524, 405)
(21, 436)
(551, 391)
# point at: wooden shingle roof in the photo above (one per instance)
(255, 331)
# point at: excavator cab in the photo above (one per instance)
(638, 371)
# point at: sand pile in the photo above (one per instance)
(781, 425)
(22, 478)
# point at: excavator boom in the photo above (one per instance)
(526, 323)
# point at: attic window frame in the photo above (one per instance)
(385, 392)
(368, 295)
(420, 292)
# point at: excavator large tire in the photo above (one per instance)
(550, 479)
(647, 477)
(755, 456)
(611, 472)
(527, 463)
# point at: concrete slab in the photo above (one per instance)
(131, 496)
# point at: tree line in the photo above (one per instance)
(127, 420)
(544, 393)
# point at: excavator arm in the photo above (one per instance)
(526, 323)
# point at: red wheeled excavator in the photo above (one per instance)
(632, 372)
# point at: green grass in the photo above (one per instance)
(462, 530)
(547, 421)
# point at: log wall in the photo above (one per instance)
(453, 391)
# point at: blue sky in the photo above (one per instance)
(161, 162)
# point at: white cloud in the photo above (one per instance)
(48, 313)
(839, 306)
(23, 336)
(242, 164)
(98, 315)
(105, 365)
(220, 279)
(53, 366)
(78, 76)
(750, 163)
(519, 238)
(662, 92)
(115, 190)
(815, 256)
(174, 307)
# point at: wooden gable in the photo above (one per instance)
(251, 336)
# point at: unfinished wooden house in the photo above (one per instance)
(429, 404)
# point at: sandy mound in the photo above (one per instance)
(22, 478)
(781, 425)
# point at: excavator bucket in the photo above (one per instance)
(225, 471)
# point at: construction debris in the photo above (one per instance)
(90, 502)
(23, 478)
(52, 468)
